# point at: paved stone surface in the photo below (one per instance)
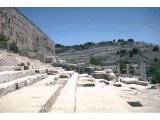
(96, 99)
(28, 99)
(66, 100)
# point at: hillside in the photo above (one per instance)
(109, 52)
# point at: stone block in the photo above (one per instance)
(29, 72)
(31, 80)
(99, 75)
(67, 72)
(83, 75)
(117, 84)
(153, 87)
(111, 76)
(3, 78)
(142, 83)
(64, 76)
(108, 71)
(89, 70)
(45, 76)
(19, 68)
(50, 59)
(40, 71)
(22, 84)
(41, 56)
(8, 88)
(86, 79)
(128, 80)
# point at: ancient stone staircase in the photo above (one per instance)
(32, 90)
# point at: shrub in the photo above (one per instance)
(154, 71)
(3, 41)
(13, 47)
(121, 52)
(155, 59)
(122, 64)
(155, 48)
(3, 37)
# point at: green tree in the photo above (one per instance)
(130, 40)
(96, 61)
(121, 52)
(122, 63)
(154, 71)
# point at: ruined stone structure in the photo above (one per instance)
(26, 35)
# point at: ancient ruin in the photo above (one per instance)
(38, 81)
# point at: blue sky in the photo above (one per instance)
(71, 26)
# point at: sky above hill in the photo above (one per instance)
(73, 26)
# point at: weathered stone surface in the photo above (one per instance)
(44, 76)
(67, 96)
(108, 71)
(64, 76)
(11, 68)
(100, 75)
(46, 82)
(142, 83)
(25, 34)
(83, 75)
(118, 69)
(28, 72)
(117, 84)
(127, 70)
(67, 72)
(19, 83)
(29, 99)
(143, 71)
(41, 56)
(89, 70)
(111, 76)
(40, 71)
(50, 59)
(10, 75)
(153, 87)
(86, 79)
(128, 80)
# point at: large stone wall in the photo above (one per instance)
(23, 32)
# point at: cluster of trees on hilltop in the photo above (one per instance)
(87, 45)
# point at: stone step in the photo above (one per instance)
(19, 83)
(11, 68)
(66, 100)
(7, 76)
